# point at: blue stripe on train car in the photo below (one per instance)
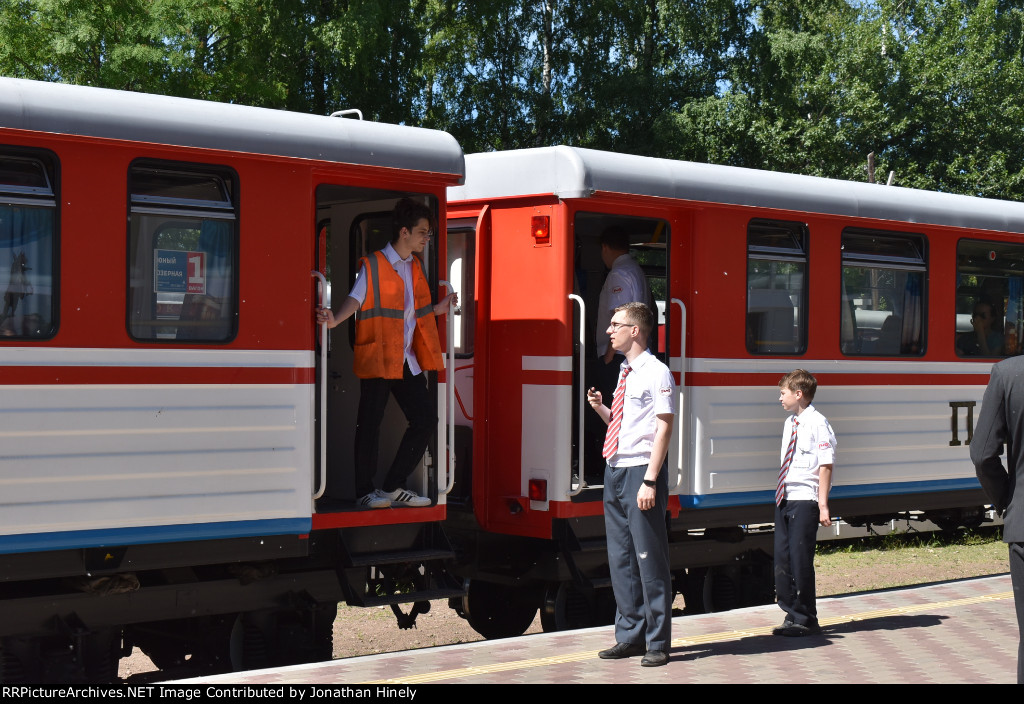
(63, 540)
(747, 498)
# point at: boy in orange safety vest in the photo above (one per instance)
(396, 341)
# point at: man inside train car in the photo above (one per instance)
(801, 502)
(985, 340)
(636, 490)
(625, 282)
(1001, 422)
(396, 342)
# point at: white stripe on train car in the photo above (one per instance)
(892, 438)
(543, 443)
(547, 364)
(136, 463)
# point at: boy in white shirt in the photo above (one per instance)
(801, 502)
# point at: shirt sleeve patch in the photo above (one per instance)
(666, 391)
(617, 289)
(824, 445)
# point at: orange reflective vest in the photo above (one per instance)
(380, 328)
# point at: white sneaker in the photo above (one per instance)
(375, 499)
(404, 497)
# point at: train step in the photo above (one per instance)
(398, 557)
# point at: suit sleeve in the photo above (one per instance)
(988, 440)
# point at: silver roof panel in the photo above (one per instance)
(569, 172)
(99, 112)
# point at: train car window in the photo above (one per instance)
(182, 253)
(776, 287)
(28, 243)
(989, 298)
(461, 267)
(883, 293)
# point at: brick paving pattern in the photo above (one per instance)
(954, 632)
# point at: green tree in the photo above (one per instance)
(114, 44)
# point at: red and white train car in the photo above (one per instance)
(870, 288)
(176, 438)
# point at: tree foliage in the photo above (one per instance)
(932, 87)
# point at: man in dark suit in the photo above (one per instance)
(1002, 421)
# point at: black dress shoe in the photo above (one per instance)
(622, 650)
(796, 630)
(778, 630)
(654, 658)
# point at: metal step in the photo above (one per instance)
(397, 557)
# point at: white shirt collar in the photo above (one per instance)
(638, 361)
(392, 255)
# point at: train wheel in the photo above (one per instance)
(497, 610)
(746, 582)
(305, 635)
(566, 608)
(12, 669)
(953, 519)
(214, 651)
(101, 653)
(721, 589)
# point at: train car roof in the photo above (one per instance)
(99, 112)
(569, 172)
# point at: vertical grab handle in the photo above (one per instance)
(583, 392)
(683, 421)
(321, 293)
(449, 420)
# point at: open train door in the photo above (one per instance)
(467, 244)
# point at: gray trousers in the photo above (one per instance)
(638, 559)
(1017, 579)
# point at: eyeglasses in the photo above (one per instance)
(615, 326)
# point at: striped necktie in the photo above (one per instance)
(780, 491)
(611, 439)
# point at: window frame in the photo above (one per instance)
(225, 210)
(34, 196)
(798, 254)
(890, 262)
(980, 240)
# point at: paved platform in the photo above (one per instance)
(953, 632)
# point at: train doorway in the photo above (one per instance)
(630, 247)
(353, 223)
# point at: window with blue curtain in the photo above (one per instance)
(28, 244)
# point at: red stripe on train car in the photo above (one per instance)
(21, 376)
(377, 517)
(838, 379)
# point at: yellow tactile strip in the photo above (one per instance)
(459, 673)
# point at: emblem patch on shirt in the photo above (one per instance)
(666, 390)
(824, 445)
(617, 289)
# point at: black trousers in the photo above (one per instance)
(796, 531)
(414, 399)
(1017, 579)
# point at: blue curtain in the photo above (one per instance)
(26, 270)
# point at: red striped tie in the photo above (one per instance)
(611, 439)
(780, 492)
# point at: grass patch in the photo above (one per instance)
(902, 541)
(901, 559)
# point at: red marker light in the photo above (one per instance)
(538, 489)
(540, 229)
